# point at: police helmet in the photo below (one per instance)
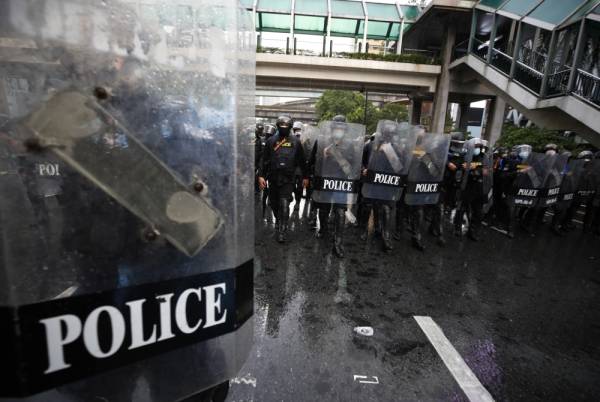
(588, 155)
(339, 118)
(260, 128)
(269, 130)
(297, 126)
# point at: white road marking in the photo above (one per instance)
(453, 361)
(363, 379)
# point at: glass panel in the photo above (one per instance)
(247, 3)
(383, 12)
(582, 11)
(341, 8)
(274, 22)
(377, 29)
(407, 26)
(311, 7)
(519, 7)
(492, 3)
(343, 27)
(283, 6)
(395, 30)
(309, 24)
(555, 11)
(410, 12)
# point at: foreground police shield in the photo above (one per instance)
(555, 165)
(337, 162)
(125, 216)
(570, 183)
(427, 169)
(390, 156)
(529, 183)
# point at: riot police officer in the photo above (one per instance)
(269, 131)
(473, 197)
(283, 153)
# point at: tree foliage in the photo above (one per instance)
(537, 138)
(352, 105)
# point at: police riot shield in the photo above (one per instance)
(308, 138)
(529, 182)
(556, 167)
(570, 183)
(390, 156)
(337, 162)
(426, 170)
(126, 202)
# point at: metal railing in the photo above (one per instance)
(587, 86)
(479, 49)
(460, 50)
(529, 77)
(558, 79)
(501, 61)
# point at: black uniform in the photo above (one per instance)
(281, 156)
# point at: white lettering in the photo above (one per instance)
(213, 303)
(554, 191)
(181, 311)
(337, 185)
(90, 331)
(56, 339)
(137, 325)
(426, 188)
(165, 316)
(48, 169)
(527, 192)
(386, 179)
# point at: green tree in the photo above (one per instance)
(536, 137)
(352, 105)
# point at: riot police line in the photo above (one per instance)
(418, 177)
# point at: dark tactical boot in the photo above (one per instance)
(417, 242)
(339, 220)
(284, 213)
(324, 226)
(386, 223)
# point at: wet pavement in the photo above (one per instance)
(522, 313)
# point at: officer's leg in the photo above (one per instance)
(323, 216)
(458, 218)
(511, 217)
(339, 221)
(298, 191)
(416, 220)
(285, 197)
(567, 220)
(401, 212)
(437, 223)
(385, 211)
(476, 216)
(365, 213)
(274, 202)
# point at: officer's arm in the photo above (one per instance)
(365, 155)
(265, 162)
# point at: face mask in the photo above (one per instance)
(523, 155)
(338, 135)
(476, 151)
(284, 131)
(550, 152)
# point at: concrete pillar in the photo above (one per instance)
(415, 111)
(463, 116)
(440, 99)
(494, 121)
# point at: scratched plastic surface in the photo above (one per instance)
(177, 85)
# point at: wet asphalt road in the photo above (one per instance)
(522, 313)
